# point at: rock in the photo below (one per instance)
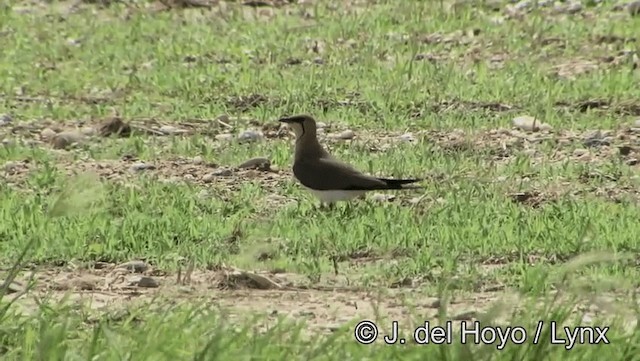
(197, 160)
(250, 136)
(88, 131)
(596, 139)
(14, 287)
(572, 8)
(383, 197)
(529, 124)
(407, 137)
(636, 123)
(580, 152)
(144, 281)
(11, 167)
(224, 137)
(171, 130)
(47, 134)
(346, 135)
(139, 167)
(116, 126)
(5, 119)
(222, 172)
(321, 125)
(259, 163)
(66, 139)
(134, 266)
(224, 118)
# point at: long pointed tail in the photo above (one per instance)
(400, 183)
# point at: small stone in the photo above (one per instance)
(382, 197)
(14, 287)
(636, 123)
(139, 167)
(407, 137)
(346, 135)
(596, 139)
(224, 137)
(222, 172)
(321, 125)
(147, 282)
(529, 124)
(66, 139)
(134, 266)
(11, 167)
(224, 118)
(171, 130)
(5, 119)
(572, 8)
(580, 152)
(250, 136)
(88, 131)
(522, 5)
(47, 134)
(197, 160)
(259, 163)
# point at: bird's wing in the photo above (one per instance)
(331, 174)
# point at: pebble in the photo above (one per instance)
(259, 163)
(88, 131)
(222, 172)
(636, 123)
(346, 135)
(223, 118)
(47, 133)
(224, 137)
(5, 119)
(197, 160)
(138, 167)
(407, 137)
(382, 197)
(250, 136)
(134, 266)
(596, 139)
(321, 125)
(65, 139)
(146, 282)
(529, 124)
(580, 152)
(572, 8)
(171, 130)
(10, 166)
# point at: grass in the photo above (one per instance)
(542, 216)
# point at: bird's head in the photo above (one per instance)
(301, 124)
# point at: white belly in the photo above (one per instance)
(335, 196)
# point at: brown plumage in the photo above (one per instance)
(328, 178)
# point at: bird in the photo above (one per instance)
(327, 178)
